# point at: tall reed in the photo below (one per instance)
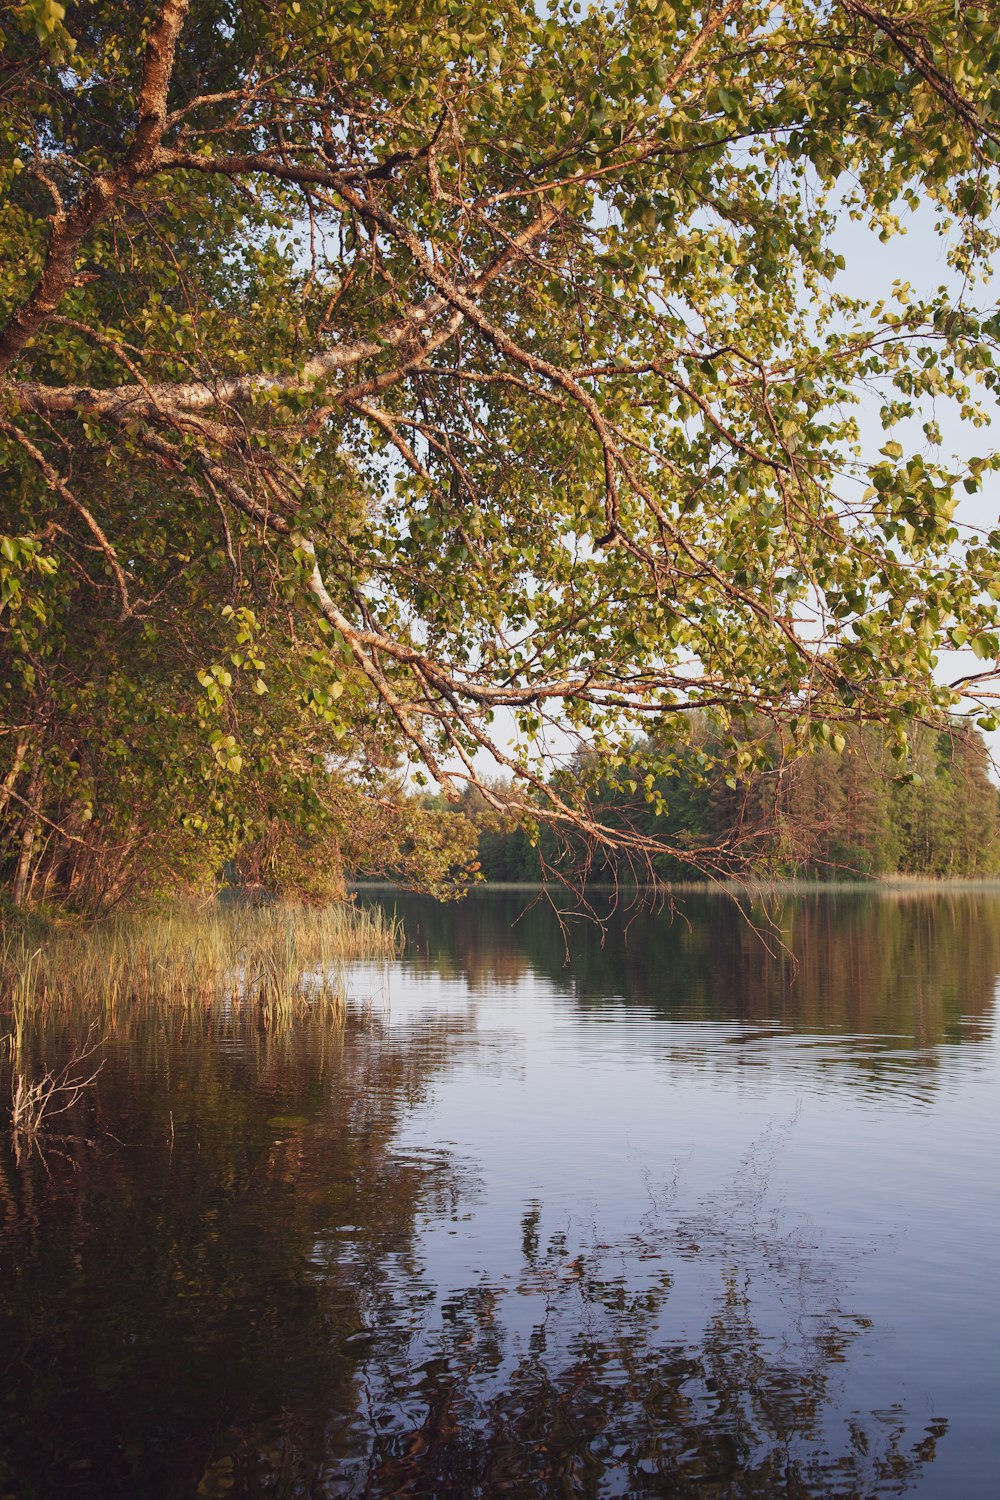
(276, 957)
(72, 990)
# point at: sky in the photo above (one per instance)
(917, 255)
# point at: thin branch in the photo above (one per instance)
(56, 482)
(70, 227)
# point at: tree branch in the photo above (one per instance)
(405, 334)
(69, 227)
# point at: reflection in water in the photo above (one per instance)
(156, 1299)
(568, 1376)
(231, 1281)
(902, 972)
(596, 1400)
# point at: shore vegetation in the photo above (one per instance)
(270, 955)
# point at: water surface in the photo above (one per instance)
(701, 1202)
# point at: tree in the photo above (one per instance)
(947, 817)
(370, 371)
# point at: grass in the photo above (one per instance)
(267, 965)
(274, 956)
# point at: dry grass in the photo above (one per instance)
(276, 956)
(37, 1100)
(268, 965)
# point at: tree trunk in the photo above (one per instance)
(22, 882)
(7, 785)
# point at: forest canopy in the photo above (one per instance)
(825, 816)
(380, 381)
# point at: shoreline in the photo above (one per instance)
(884, 885)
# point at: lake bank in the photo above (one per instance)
(927, 884)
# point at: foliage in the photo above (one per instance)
(826, 816)
(845, 814)
(369, 373)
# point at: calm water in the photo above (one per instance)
(696, 1211)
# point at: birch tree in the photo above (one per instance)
(377, 377)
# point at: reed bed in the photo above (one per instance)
(278, 958)
(70, 991)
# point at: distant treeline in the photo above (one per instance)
(823, 816)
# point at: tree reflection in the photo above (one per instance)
(594, 1397)
(221, 1287)
(160, 1301)
(914, 970)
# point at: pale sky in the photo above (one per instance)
(918, 256)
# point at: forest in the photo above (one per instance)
(830, 816)
(454, 442)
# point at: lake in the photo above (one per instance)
(699, 1201)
